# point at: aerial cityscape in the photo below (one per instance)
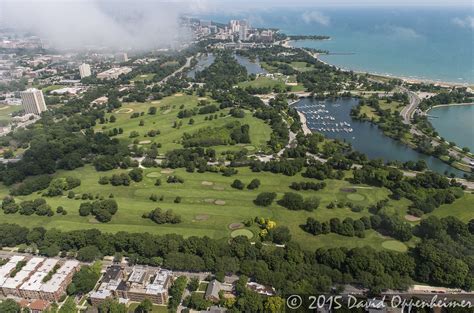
(247, 156)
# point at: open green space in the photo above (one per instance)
(156, 308)
(242, 232)
(206, 209)
(143, 77)
(166, 115)
(5, 113)
(394, 245)
(279, 82)
(462, 209)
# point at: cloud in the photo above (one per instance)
(404, 32)
(467, 22)
(124, 24)
(316, 17)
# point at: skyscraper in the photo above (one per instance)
(33, 101)
(84, 70)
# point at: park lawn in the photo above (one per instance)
(200, 214)
(393, 106)
(302, 66)
(6, 111)
(143, 77)
(156, 308)
(262, 82)
(462, 209)
(370, 112)
(51, 88)
(170, 137)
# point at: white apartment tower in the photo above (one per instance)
(84, 70)
(33, 101)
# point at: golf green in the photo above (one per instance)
(242, 232)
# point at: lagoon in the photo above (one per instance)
(454, 123)
(365, 137)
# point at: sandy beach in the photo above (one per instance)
(304, 126)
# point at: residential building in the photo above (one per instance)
(84, 70)
(54, 288)
(114, 73)
(121, 57)
(11, 286)
(33, 101)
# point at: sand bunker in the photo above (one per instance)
(145, 142)
(235, 226)
(219, 188)
(178, 95)
(219, 202)
(201, 217)
(124, 111)
(167, 171)
(207, 183)
(202, 98)
(412, 218)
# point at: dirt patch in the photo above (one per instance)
(201, 217)
(178, 95)
(412, 218)
(349, 190)
(219, 202)
(145, 142)
(219, 188)
(207, 183)
(202, 98)
(124, 111)
(167, 171)
(235, 226)
(209, 200)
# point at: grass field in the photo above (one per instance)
(462, 208)
(200, 193)
(167, 110)
(262, 82)
(143, 77)
(5, 113)
(156, 308)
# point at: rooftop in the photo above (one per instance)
(14, 282)
(35, 282)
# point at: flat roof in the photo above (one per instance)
(54, 283)
(14, 282)
(137, 275)
(158, 285)
(32, 264)
(101, 294)
(68, 267)
(6, 269)
(47, 265)
(35, 282)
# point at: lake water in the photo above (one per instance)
(203, 62)
(365, 137)
(207, 59)
(411, 42)
(455, 123)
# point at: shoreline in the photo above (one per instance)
(410, 80)
(304, 125)
(448, 105)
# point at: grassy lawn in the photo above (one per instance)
(167, 110)
(262, 82)
(156, 308)
(143, 77)
(198, 209)
(51, 88)
(203, 286)
(462, 208)
(6, 111)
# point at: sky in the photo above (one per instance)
(144, 24)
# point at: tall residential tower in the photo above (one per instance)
(33, 101)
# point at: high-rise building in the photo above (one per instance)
(121, 57)
(33, 101)
(84, 70)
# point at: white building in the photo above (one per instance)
(84, 70)
(121, 57)
(33, 101)
(114, 73)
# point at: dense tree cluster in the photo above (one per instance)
(160, 217)
(307, 185)
(103, 210)
(296, 202)
(224, 73)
